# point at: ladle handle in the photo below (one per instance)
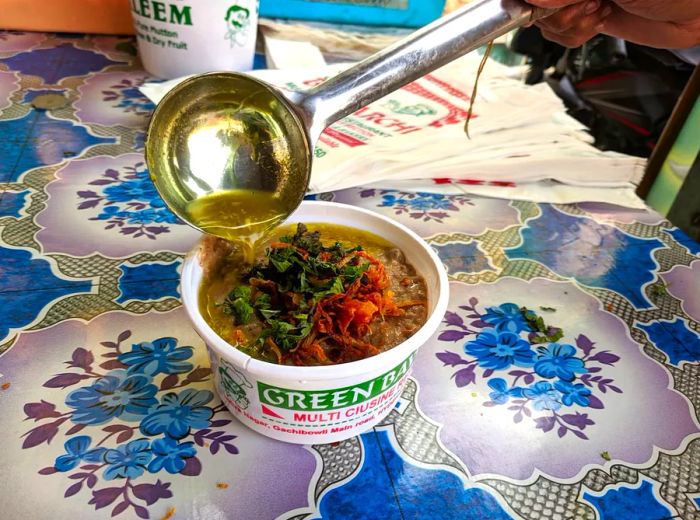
(407, 60)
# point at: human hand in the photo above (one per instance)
(666, 24)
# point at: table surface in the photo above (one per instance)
(602, 424)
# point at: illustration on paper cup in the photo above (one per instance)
(234, 384)
(419, 109)
(238, 23)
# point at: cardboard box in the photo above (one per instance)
(79, 16)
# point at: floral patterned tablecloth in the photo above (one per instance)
(584, 407)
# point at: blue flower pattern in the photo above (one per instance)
(543, 396)
(573, 393)
(422, 201)
(142, 423)
(161, 356)
(505, 317)
(178, 413)
(115, 394)
(77, 450)
(559, 361)
(129, 202)
(140, 189)
(128, 460)
(499, 350)
(433, 207)
(501, 393)
(170, 455)
(538, 378)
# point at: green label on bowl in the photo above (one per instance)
(318, 400)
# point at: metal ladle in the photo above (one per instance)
(226, 131)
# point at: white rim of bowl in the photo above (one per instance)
(190, 298)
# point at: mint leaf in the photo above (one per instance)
(242, 291)
(237, 303)
(280, 265)
(242, 311)
(268, 313)
(337, 287)
(263, 301)
(541, 332)
(303, 284)
(353, 272)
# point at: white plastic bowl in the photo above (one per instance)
(314, 405)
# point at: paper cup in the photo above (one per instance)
(177, 38)
(315, 405)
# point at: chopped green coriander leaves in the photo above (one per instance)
(541, 333)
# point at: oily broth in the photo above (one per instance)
(218, 282)
(244, 217)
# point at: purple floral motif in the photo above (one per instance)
(126, 95)
(27, 404)
(659, 418)
(473, 217)
(427, 207)
(113, 98)
(120, 397)
(129, 202)
(539, 381)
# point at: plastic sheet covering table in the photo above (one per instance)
(107, 404)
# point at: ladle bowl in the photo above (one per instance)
(226, 131)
